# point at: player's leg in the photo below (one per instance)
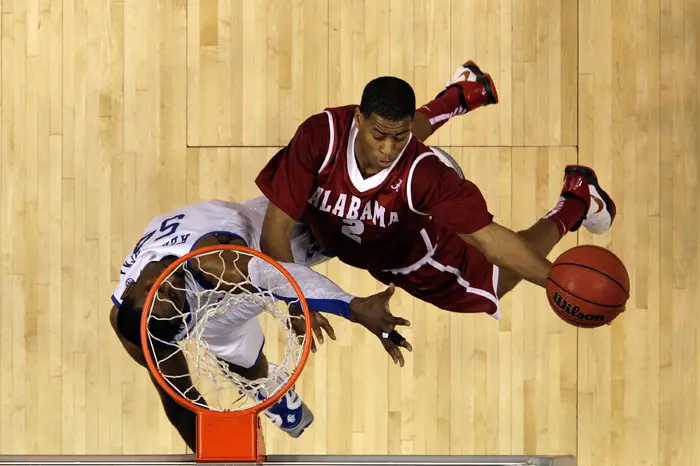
(182, 419)
(258, 370)
(582, 202)
(241, 345)
(459, 278)
(542, 237)
(468, 89)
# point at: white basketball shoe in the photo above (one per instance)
(290, 413)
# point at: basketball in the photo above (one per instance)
(588, 286)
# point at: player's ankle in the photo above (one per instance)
(567, 215)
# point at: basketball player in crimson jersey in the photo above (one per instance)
(376, 197)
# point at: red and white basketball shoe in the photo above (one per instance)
(476, 87)
(581, 182)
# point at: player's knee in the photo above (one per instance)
(184, 420)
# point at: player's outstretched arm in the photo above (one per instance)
(508, 250)
(323, 295)
(228, 269)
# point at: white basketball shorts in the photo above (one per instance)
(240, 343)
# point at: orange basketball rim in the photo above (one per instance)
(226, 436)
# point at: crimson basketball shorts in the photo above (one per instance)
(453, 276)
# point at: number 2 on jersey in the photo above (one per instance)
(353, 229)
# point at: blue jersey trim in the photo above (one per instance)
(328, 306)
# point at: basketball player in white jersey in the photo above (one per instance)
(235, 337)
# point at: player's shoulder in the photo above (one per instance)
(344, 113)
(200, 209)
(433, 162)
(338, 117)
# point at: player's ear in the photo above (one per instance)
(127, 290)
(358, 116)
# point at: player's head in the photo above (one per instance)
(134, 299)
(384, 120)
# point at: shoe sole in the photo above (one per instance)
(592, 179)
(486, 80)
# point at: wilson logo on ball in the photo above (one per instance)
(574, 311)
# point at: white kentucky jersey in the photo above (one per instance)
(177, 233)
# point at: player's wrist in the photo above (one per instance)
(352, 312)
(355, 309)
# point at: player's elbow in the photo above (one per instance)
(276, 234)
(266, 243)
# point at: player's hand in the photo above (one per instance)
(373, 313)
(318, 323)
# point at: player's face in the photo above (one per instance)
(380, 141)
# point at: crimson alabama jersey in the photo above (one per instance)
(389, 220)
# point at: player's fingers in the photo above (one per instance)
(394, 351)
(386, 297)
(401, 321)
(407, 345)
(329, 329)
(298, 327)
(394, 337)
(389, 347)
(318, 333)
(399, 356)
(392, 354)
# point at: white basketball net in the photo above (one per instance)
(217, 322)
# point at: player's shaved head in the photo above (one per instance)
(388, 97)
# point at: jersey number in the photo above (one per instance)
(353, 229)
(167, 228)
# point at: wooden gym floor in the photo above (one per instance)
(115, 111)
